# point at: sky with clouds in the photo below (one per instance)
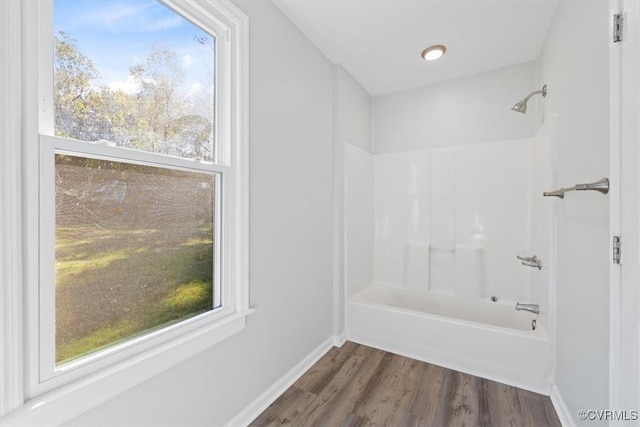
(116, 34)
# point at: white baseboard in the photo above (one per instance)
(262, 402)
(564, 414)
(339, 340)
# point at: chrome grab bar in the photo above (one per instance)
(601, 186)
(531, 261)
(558, 193)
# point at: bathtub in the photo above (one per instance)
(487, 339)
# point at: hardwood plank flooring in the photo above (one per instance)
(356, 385)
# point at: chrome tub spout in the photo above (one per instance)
(531, 308)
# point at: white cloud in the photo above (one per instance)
(187, 61)
(195, 88)
(164, 24)
(114, 14)
(129, 86)
(128, 16)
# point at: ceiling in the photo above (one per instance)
(379, 41)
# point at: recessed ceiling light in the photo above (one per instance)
(433, 52)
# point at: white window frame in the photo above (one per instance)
(34, 390)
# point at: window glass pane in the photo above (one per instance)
(133, 250)
(136, 74)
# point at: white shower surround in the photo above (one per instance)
(447, 225)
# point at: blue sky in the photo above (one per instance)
(116, 34)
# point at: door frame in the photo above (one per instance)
(624, 158)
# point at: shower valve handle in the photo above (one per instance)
(532, 261)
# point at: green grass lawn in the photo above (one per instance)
(112, 284)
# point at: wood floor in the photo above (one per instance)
(357, 385)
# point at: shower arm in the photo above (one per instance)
(543, 91)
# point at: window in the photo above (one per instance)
(136, 196)
(134, 250)
(135, 243)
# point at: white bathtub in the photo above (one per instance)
(483, 338)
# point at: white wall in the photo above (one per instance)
(353, 197)
(353, 111)
(291, 213)
(469, 110)
(574, 64)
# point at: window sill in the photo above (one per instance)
(66, 402)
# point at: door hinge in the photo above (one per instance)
(617, 250)
(617, 27)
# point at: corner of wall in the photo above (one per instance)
(352, 124)
(562, 410)
(338, 281)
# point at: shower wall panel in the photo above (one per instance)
(543, 178)
(493, 193)
(442, 211)
(451, 221)
(358, 205)
(401, 188)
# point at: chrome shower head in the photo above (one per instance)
(521, 106)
